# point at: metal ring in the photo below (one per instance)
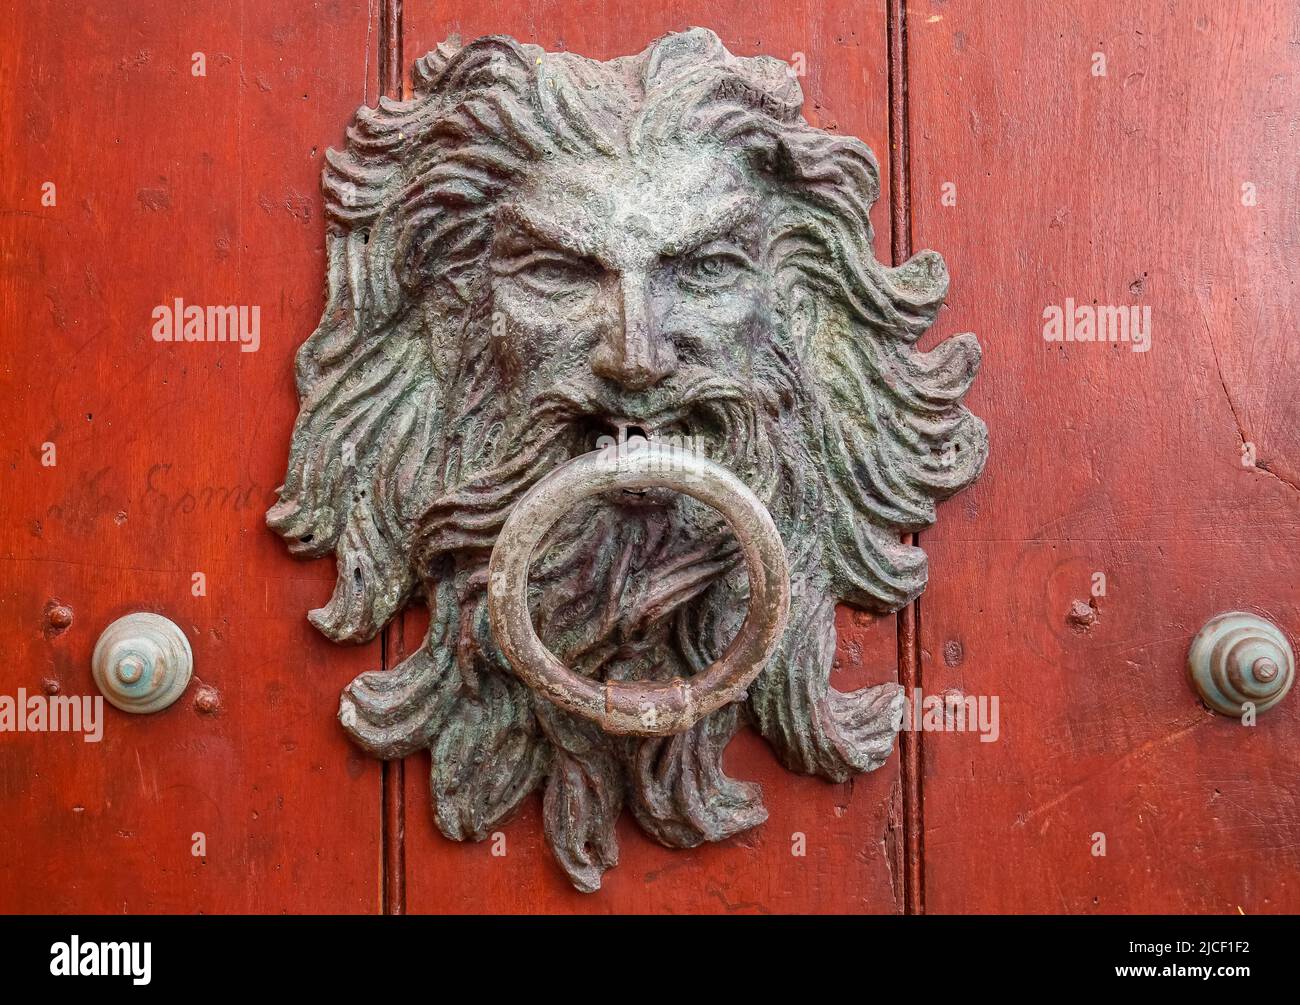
(651, 708)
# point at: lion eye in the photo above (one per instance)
(713, 270)
(555, 272)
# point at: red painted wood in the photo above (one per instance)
(853, 831)
(1123, 189)
(909, 663)
(206, 188)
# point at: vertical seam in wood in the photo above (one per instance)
(900, 204)
(392, 773)
(393, 801)
(390, 48)
(909, 618)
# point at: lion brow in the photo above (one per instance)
(711, 223)
(545, 230)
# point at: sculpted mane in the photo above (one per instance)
(367, 445)
(405, 458)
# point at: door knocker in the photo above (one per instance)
(610, 378)
(639, 708)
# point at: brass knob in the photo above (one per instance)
(639, 708)
(1238, 660)
(142, 662)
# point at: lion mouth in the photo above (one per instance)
(627, 434)
(702, 414)
(604, 433)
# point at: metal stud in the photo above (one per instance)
(142, 662)
(1238, 661)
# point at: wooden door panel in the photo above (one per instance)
(205, 188)
(1122, 189)
(853, 831)
(1165, 182)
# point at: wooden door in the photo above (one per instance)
(132, 466)
(137, 474)
(1169, 183)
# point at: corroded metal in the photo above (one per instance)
(540, 254)
(1239, 662)
(638, 708)
(142, 662)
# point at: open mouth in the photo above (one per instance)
(601, 434)
(622, 434)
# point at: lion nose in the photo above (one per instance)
(632, 352)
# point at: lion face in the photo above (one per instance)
(538, 251)
(626, 268)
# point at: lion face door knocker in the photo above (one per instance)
(610, 378)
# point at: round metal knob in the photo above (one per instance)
(656, 708)
(1239, 660)
(142, 663)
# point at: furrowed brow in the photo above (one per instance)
(717, 220)
(549, 232)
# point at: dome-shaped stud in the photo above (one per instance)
(1238, 660)
(142, 663)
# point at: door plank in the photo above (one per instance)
(1123, 189)
(205, 188)
(853, 831)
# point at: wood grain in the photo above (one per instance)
(1123, 189)
(206, 188)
